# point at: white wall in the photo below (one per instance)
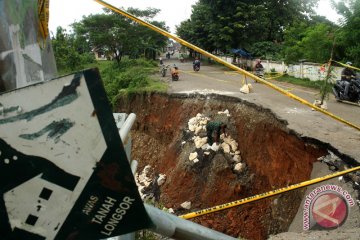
(312, 71)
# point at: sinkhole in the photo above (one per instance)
(270, 155)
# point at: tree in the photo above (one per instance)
(220, 24)
(115, 34)
(348, 36)
(65, 53)
(309, 41)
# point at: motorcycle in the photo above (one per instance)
(259, 72)
(353, 94)
(175, 73)
(196, 65)
(163, 70)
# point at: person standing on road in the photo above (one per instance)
(161, 61)
(214, 129)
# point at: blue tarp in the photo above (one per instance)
(242, 52)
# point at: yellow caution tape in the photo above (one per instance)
(348, 66)
(267, 194)
(43, 13)
(229, 65)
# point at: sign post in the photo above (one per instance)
(63, 169)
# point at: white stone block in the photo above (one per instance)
(186, 205)
(192, 156)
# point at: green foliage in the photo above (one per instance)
(222, 25)
(116, 35)
(310, 42)
(305, 82)
(349, 35)
(129, 76)
(266, 50)
(66, 54)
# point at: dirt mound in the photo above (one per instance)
(273, 156)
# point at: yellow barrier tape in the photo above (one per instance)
(348, 66)
(280, 75)
(267, 194)
(229, 65)
(43, 13)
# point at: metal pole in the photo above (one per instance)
(172, 226)
(125, 128)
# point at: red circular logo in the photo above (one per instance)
(330, 210)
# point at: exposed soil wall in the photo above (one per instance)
(274, 158)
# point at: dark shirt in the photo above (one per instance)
(259, 66)
(347, 74)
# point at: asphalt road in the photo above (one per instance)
(300, 118)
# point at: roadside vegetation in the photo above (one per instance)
(289, 31)
(130, 49)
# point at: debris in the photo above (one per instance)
(192, 156)
(237, 158)
(199, 142)
(186, 205)
(239, 167)
(247, 88)
(225, 147)
(215, 147)
(161, 180)
(226, 112)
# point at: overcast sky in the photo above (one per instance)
(65, 12)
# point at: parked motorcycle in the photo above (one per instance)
(174, 73)
(353, 94)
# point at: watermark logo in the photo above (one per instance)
(326, 207)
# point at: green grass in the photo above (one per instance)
(305, 82)
(130, 76)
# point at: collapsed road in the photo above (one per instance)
(273, 142)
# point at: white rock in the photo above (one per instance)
(203, 122)
(186, 205)
(239, 167)
(199, 142)
(237, 158)
(192, 128)
(183, 142)
(195, 160)
(215, 147)
(170, 210)
(192, 121)
(199, 116)
(193, 156)
(237, 152)
(245, 89)
(161, 180)
(206, 146)
(198, 129)
(207, 153)
(234, 145)
(225, 147)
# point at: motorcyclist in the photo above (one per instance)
(259, 69)
(259, 66)
(347, 75)
(196, 63)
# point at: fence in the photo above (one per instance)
(312, 71)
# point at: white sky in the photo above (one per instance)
(65, 12)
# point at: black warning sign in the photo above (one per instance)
(63, 168)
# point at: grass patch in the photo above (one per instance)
(130, 76)
(305, 82)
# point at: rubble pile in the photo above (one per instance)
(227, 145)
(148, 183)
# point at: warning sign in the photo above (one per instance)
(63, 169)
